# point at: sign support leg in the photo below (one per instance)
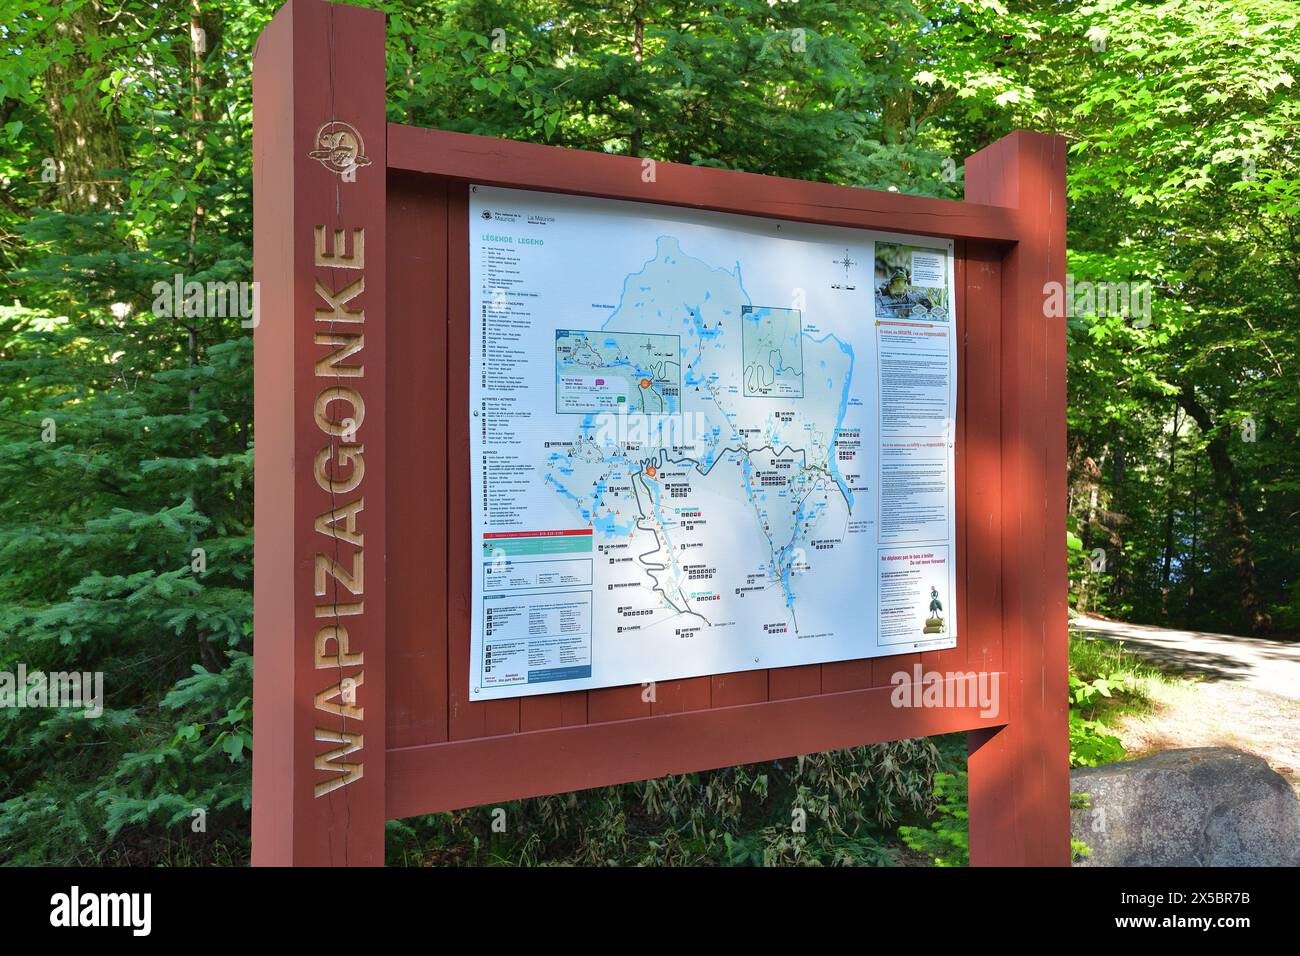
(319, 156)
(1018, 774)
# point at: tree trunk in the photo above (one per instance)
(1226, 485)
(1194, 574)
(636, 142)
(198, 119)
(85, 138)
(1167, 563)
(1116, 564)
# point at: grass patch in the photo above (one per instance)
(1107, 681)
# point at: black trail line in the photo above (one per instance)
(659, 567)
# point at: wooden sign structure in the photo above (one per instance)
(363, 541)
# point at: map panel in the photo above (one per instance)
(670, 475)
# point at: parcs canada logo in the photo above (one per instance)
(340, 149)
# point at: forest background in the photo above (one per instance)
(126, 434)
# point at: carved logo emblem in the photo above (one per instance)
(339, 148)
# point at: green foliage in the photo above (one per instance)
(126, 443)
(947, 840)
(814, 90)
(1090, 745)
(1105, 682)
(1182, 175)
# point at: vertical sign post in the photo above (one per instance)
(319, 190)
(1019, 786)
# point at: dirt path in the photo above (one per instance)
(1242, 692)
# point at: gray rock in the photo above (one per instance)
(1204, 806)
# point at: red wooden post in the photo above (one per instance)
(319, 188)
(1019, 782)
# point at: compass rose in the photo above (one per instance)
(846, 262)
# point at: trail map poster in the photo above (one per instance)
(702, 443)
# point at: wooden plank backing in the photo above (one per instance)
(448, 526)
(417, 472)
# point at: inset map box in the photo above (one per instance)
(772, 347)
(632, 372)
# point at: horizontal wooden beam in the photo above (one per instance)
(496, 162)
(437, 777)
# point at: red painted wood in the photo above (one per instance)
(496, 162)
(445, 776)
(1019, 782)
(417, 466)
(786, 682)
(305, 77)
(273, 542)
(740, 687)
(465, 719)
(617, 703)
(883, 669)
(553, 710)
(846, 675)
(677, 696)
(981, 524)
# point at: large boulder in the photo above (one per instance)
(1204, 806)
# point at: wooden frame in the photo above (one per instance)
(361, 709)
